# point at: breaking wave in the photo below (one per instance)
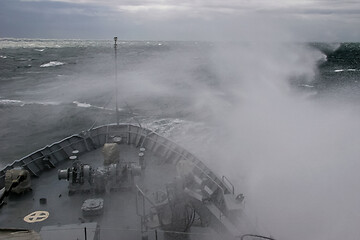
(188, 134)
(52, 64)
(84, 105)
(346, 70)
(307, 85)
(88, 105)
(13, 102)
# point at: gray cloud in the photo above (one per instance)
(228, 20)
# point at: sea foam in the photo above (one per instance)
(345, 70)
(52, 64)
(88, 105)
(83, 105)
(14, 102)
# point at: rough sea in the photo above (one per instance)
(281, 119)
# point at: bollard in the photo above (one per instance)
(75, 152)
(117, 139)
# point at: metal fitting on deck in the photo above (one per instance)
(142, 160)
(75, 152)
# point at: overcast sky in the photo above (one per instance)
(224, 20)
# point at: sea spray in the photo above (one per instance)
(294, 157)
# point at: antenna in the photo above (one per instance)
(116, 82)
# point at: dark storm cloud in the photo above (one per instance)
(305, 20)
(50, 20)
(43, 19)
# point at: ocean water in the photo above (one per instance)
(279, 119)
(53, 88)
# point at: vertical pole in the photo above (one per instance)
(144, 233)
(85, 233)
(116, 82)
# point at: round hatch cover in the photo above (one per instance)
(92, 207)
(37, 216)
(93, 203)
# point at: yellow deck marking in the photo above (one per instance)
(37, 216)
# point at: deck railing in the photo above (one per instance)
(51, 155)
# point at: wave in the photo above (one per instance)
(83, 105)
(39, 50)
(3, 57)
(11, 102)
(20, 103)
(323, 58)
(346, 70)
(326, 48)
(188, 134)
(307, 85)
(46, 43)
(164, 126)
(24, 66)
(88, 105)
(332, 46)
(172, 127)
(52, 64)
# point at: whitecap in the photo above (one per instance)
(52, 64)
(88, 105)
(14, 102)
(187, 133)
(39, 50)
(83, 105)
(3, 57)
(306, 85)
(45, 103)
(323, 58)
(11, 102)
(346, 70)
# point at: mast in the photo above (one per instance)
(116, 82)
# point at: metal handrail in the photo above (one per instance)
(223, 178)
(144, 195)
(167, 146)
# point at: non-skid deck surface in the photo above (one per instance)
(119, 217)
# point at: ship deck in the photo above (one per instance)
(214, 203)
(119, 217)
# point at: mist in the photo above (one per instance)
(293, 155)
(292, 152)
(239, 107)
